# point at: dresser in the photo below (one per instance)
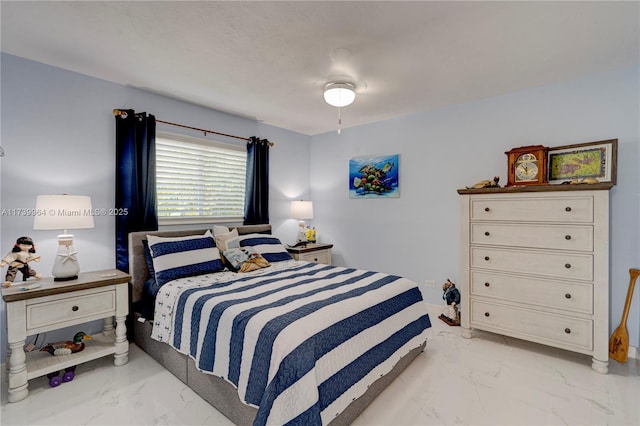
(535, 265)
(312, 252)
(40, 306)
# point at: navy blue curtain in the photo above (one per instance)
(256, 202)
(135, 179)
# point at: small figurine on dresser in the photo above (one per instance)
(18, 259)
(486, 183)
(451, 295)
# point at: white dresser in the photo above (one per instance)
(535, 265)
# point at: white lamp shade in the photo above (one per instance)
(339, 94)
(62, 212)
(302, 210)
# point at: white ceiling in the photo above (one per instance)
(270, 60)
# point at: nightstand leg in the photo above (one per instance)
(16, 337)
(18, 386)
(122, 344)
(108, 325)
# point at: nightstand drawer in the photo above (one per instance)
(55, 313)
(318, 256)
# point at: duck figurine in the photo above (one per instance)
(68, 347)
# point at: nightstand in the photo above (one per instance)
(312, 252)
(58, 304)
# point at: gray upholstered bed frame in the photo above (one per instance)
(219, 393)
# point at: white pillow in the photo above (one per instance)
(179, 257)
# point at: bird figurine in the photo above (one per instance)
(68, 347)
(486, 183)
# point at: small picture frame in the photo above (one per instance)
(585, 160)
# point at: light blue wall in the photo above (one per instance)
(418, 234)
(58, 132)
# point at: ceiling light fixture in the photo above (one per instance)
(339, 94)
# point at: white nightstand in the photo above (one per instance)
(312, 252)
(59, 304)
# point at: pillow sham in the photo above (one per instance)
(180, 257)
(245, 259)
(268, 246)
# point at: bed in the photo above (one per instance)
(290, 343)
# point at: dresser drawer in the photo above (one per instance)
(318, 256)
(557, 330)
(575, 297)
(559, 237)
(533, 209)
(559, 264)
(71, 309)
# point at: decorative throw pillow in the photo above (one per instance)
(245, 259)
(268, 246)
(227, 240)
(179, 257)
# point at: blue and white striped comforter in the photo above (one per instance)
(299, 340)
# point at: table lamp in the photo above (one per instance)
(64, 212)
(301, 210)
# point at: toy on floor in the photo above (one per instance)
(18, 259)
(55, 379)
(67, 347)
(451, 296)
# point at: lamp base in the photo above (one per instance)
(302, 235)
(74, 277)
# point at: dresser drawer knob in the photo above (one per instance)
(486, 314)
(487, 284)
(487, 209)
(568, 295)
(567, 237)
(74, 308)
(486, 258)
(567, 330)
(487, 233)
(567, 265)
(567, 209)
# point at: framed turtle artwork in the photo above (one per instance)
(374, 176)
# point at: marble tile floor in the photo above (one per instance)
(487, 380)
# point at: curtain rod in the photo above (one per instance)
(205, 131)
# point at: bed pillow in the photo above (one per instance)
(227, 240)
(180, 257)
(245, 259)
(268, 246)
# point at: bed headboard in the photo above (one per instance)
(138, 264)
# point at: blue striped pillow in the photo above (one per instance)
(180, 257)
(267, 245)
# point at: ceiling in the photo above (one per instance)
(270, 60)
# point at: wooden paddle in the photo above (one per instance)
(619, 342)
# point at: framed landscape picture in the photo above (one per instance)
(374, 177)
(586, 160)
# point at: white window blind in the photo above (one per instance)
(199, 180)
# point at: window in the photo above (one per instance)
(199, 180)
